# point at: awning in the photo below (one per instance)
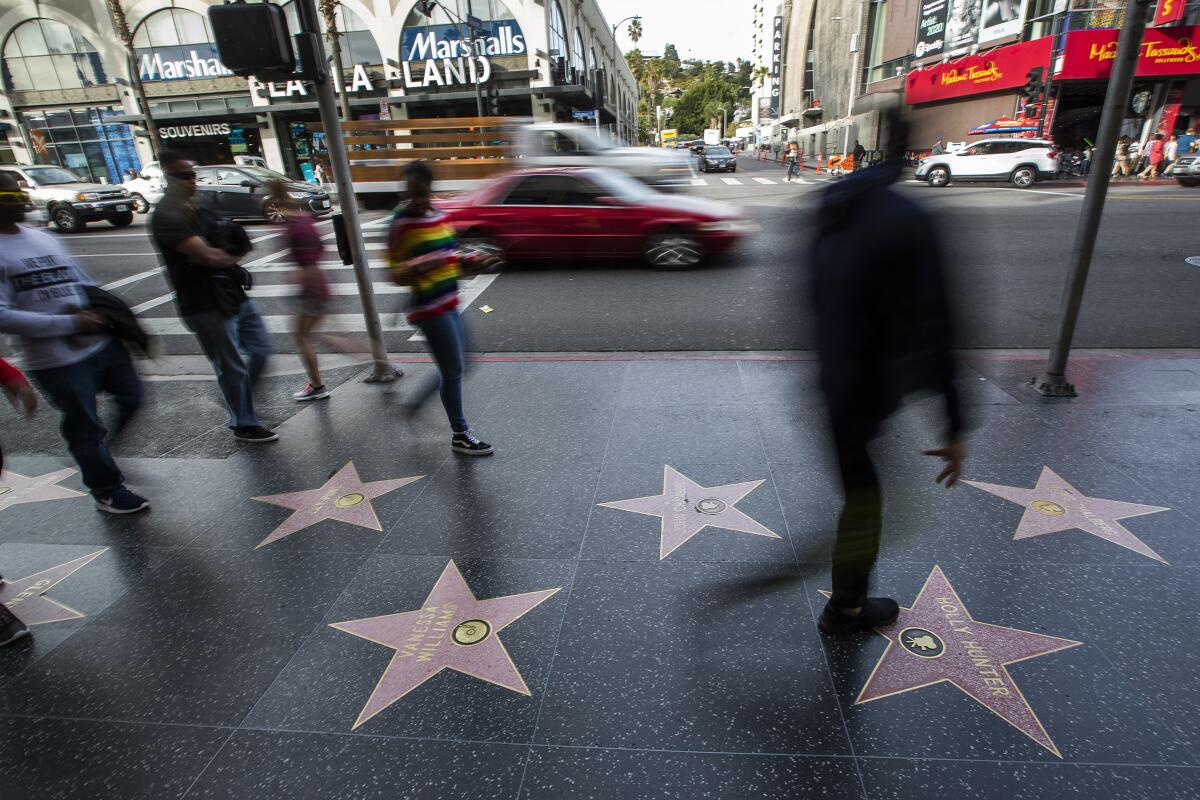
(1004, 125)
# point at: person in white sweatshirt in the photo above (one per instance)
(65, 349)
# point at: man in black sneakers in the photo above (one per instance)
(66, 351)
(883, 331)
(208, 291)
(11, 628)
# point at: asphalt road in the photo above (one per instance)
(1008, 250)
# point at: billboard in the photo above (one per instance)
(1002, 68)
(1001, 18)
(1164, 52)
(962, 24)
(931, 28)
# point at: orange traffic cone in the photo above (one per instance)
(818, 163)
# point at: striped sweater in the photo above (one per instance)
(423, 254)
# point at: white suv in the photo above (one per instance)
(1022, 161)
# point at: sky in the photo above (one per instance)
(698, 28)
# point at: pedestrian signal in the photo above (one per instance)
(1032, 91)
(253, 40)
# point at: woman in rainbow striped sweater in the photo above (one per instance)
(423, 255)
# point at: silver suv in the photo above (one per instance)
(1187, 169)
(69, 202)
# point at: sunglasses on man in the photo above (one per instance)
(183, 174)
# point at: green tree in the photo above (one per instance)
(700, 105)
(635, 32)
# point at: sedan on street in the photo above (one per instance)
(717, 158)
(238, 191)
(593, 213)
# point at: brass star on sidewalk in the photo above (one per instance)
(1055, 505)
(686, 508)
(26, 597)
(344, 497)
(938, 641)
(16, 488)
(451, 630)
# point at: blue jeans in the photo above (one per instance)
(72, 390)
(447, 343)
(793, 168)
(224, 340)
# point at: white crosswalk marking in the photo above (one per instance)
(732, 181)
(699, 182)
(764, 180)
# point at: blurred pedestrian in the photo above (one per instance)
(19, 393)
(1170, 153)
(65, 347)
(319, 173)
(883, 331)
(312, 301)
(201, 254)
(1135, 157)
(939, 147)
(23, 398)
(1121, 160)
(860, 154)
(423, 255)
(792, 157)
(1154, 157)
(1184, 143)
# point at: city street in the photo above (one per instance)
(1008, 250)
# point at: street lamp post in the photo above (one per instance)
(617, 48)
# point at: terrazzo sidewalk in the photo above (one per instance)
(621, 602)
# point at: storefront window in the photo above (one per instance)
(578, 60)
(558, 31)
(84, 141)
(175, 44)
(43, 54)
(354, 35)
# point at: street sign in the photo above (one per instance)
(474, 23)
(583, 115)
(669, 135)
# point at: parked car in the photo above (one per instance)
(718, 159)
(69, 201)
(1186, 170)
(1020, 161)
(570, 145)
(236, 191)
(147, 188)
(570, 214)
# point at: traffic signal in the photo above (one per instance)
(426, 7)
(1032, 91)
(493, 98)
(253, 39)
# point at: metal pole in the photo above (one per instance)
(1053, 382)
(384, 372)
(474, 54)
(1047, 82)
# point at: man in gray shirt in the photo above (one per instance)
(66, 351)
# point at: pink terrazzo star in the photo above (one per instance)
(16, 489)
(686, 508)
(26, 597)
(1055, 505)
(937, 640)
(344, 497)
(451, 630)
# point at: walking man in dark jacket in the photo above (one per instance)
(883, 330)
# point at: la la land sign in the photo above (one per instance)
(444, 72)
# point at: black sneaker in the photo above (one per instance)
(121, 501)
(468, 444)
(11, 628)
(876, 612)
(255, 434)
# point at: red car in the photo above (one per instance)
(572, 213)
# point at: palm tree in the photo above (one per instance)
(652, 78)
(329, 13)
(117, 13)
(635, 32)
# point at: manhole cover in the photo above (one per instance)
(1193, 260)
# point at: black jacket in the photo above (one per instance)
(122, 323)
(882, 311)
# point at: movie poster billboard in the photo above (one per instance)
(931, 28)
(1001, 18)
(962, 25)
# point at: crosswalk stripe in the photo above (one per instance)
(699, 182)
(764, 180)
(339, 289)
(732, 181)
(282, 323)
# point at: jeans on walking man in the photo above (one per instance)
(65, 349)
(208, 291)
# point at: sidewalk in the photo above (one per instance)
(532, 626)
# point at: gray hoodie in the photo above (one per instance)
(39, 295)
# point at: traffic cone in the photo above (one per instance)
(818, 163)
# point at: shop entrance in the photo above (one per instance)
(214, 146)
